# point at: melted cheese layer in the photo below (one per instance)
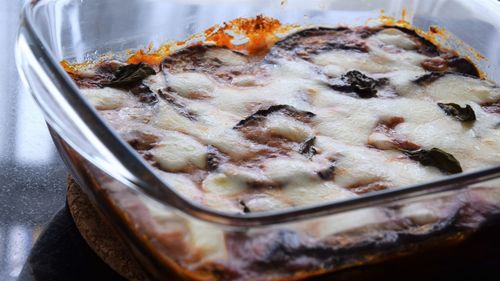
(263, 164)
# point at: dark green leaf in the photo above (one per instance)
(354, 81)
(436, 157)
(327, 173)
(245, 207)
(307, 148)
(130, 74)
(213, 158)
(428, 78)
(465, 114)
(286, 109)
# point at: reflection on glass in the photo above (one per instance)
(31, 176)
(18, 244)
(33, 145)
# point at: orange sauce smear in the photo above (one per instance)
(260, 34)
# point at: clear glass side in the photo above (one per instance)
(82, 30)
(167, 241)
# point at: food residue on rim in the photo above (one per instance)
(436, 35)
(255, 36)
(260, 34)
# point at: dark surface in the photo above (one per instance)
(32, 176)
(61, 254)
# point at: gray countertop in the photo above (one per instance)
(32, 176)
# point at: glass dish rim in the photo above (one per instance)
(149, 183)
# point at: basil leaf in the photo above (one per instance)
(327, 173)
(286, 109)
(245, 207)
(354, 81)
(465, 114)
(130, 74)
(428, 78)
(436, 157)
(307, 148)
(213, 158)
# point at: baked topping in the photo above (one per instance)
(325, 114)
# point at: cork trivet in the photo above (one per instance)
(100, 236)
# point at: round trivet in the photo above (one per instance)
(100, 236)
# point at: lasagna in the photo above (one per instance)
(321, 115)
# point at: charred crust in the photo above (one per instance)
(244, 207)
(463, 66)
(192, 59)
(443, 59)
(386, 127)
(393, 121)
(307, 148)
(144, 94)
(214, 158)
(425, 47)
(327, 173)
(168, 96)
(141, 141)
(317, 40)
(362, 188)
(451, 64)
(492, 107)
(428, 78)
(304, 116)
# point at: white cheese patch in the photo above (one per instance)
(310, 193)
(191, 84)
(238, 175)
(224, 138)
(288, 170)
(183, 185)
(350, 122)
(245, 81)
(178, 151)
(224, 185)
(395, 37)
(265, 202)
(106, 98)
(461, 89)
(208, 239)
(348, 60)
(226, 56)
(347, 221)
(156, 82)
(280, 125)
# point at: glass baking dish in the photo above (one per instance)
(270, 246)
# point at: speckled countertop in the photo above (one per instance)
(32, 183)
(32, 176)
